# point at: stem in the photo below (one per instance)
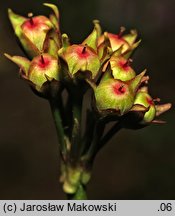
(76, 129)
(59, 127)
(89, 129)
(93, 149)
(79, 195)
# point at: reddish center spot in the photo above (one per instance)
(43, 62)
(124, 65)
(32, 23)
(83, 52)
(119, 89)
(150, 101)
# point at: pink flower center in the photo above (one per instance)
(32, 23)
(82, 52)
(119, 89)
(124, 64)
(43, 62)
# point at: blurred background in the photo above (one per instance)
(135, 164)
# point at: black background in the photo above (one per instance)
(135, 164)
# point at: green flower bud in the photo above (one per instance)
(80, 58)
(121, 68)
(35, 29)
(127, 42)
(41, 69)
(31, 32)
(144, 99)
(116, 95)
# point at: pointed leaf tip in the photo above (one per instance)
(136, 81)
(65, 40)
(53, 7)
(97, 27)
(16, 20)
(7, 56)
(22, 62)
(160, 109)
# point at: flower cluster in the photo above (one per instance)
(102, 64)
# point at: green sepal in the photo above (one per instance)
(104, 52)
(149, 115)
(91, 40)
(54, 18)
(127, 54)
(106, 72)
(131, 38)
(22, 62)
(51, 47)
(16, 20)
(136, 81)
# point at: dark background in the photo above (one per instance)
(135, 164)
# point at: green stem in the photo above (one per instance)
(59, 127)
(76, 129)
(89, 131)
(80, 194)
(98, 131)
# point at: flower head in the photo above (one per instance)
(34, 32)
(42, 69)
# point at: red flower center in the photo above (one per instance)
(119, 89)
(82, 52)
(32, 23)
(124, 64)
(43, 62)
